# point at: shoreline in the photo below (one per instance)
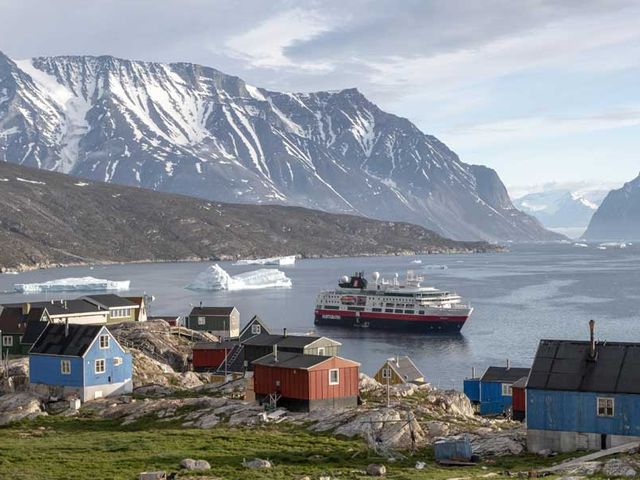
(22, 268)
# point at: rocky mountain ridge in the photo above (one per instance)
(48, 219)
(618, 217)
(189, 129)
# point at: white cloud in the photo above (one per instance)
(264, 45)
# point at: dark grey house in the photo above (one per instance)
(221, 321)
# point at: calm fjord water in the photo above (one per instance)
(532, 292)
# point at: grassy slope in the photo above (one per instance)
(72, 448)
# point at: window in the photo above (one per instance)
(334, 376)
(409, 311)
(117, 361)
(506, 390)
(376, 309)
(386, 372)
(65, 367)
(256, 329)
(320, 350)
(104, 341)
(7, 341)
(605, 406)
(100, 366)
(202, 320)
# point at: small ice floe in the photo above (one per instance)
(73, 284)
(81, 184)
(216, 278)
(435, 267)
(277, 261)
(613, 245)
(416, 261)
(24, 180)
(578, 244)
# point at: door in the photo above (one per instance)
(603, 441)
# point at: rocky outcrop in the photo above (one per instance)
(19, 406)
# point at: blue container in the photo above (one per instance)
(459, 449)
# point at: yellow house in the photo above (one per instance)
(399, 370)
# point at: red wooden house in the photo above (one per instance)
(210, 355)
(519, 399)
(306, 382)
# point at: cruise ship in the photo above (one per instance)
(391, 305)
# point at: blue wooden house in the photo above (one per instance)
(85, 361)
(491, 394)
(583, 395)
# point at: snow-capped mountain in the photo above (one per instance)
(561, 209)
(618, 217)
(194, 130)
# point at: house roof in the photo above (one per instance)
(32, 332)
(214, 345)
(53, 340)
(35, 314)
(294, 360)
(520, 383)
(566, 365)
(405, 368)
(67, 307)
(504, 374)
(288, 341)
(11, 320)
(110, 300)
(212, 311)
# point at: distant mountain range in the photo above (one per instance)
(562, 210)
(193, 130)
(50, 218)
(618, 217)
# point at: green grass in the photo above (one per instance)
(86, 448)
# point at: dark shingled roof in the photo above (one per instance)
(111, 300)
(212, 311)
(504, 374)
(35, 314)
(290, 341)
(291, 360)
(53, 340)
(566, 365)
(33, 331)
(11, 320)
(68, 307)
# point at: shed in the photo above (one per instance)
(306, 382)
(208, 356)
(221, 321)
(401, 369)
(583, 395)
(491, 394)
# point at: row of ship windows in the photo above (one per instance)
(386, 310)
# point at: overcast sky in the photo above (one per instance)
(542, 91)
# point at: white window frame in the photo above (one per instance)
(100, 361)
(337, 380)
(117, 361)
(256, 329)
(202, 321)
(606, 407)
(104, 345)
(65, 367)
(507, 389)
(321, 351)
(386, 372)
(7, 341)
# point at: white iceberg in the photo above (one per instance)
(73, 284)
(278, 261)
(613, 245)
(216, 278)
(583, 245)
(416, 261)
